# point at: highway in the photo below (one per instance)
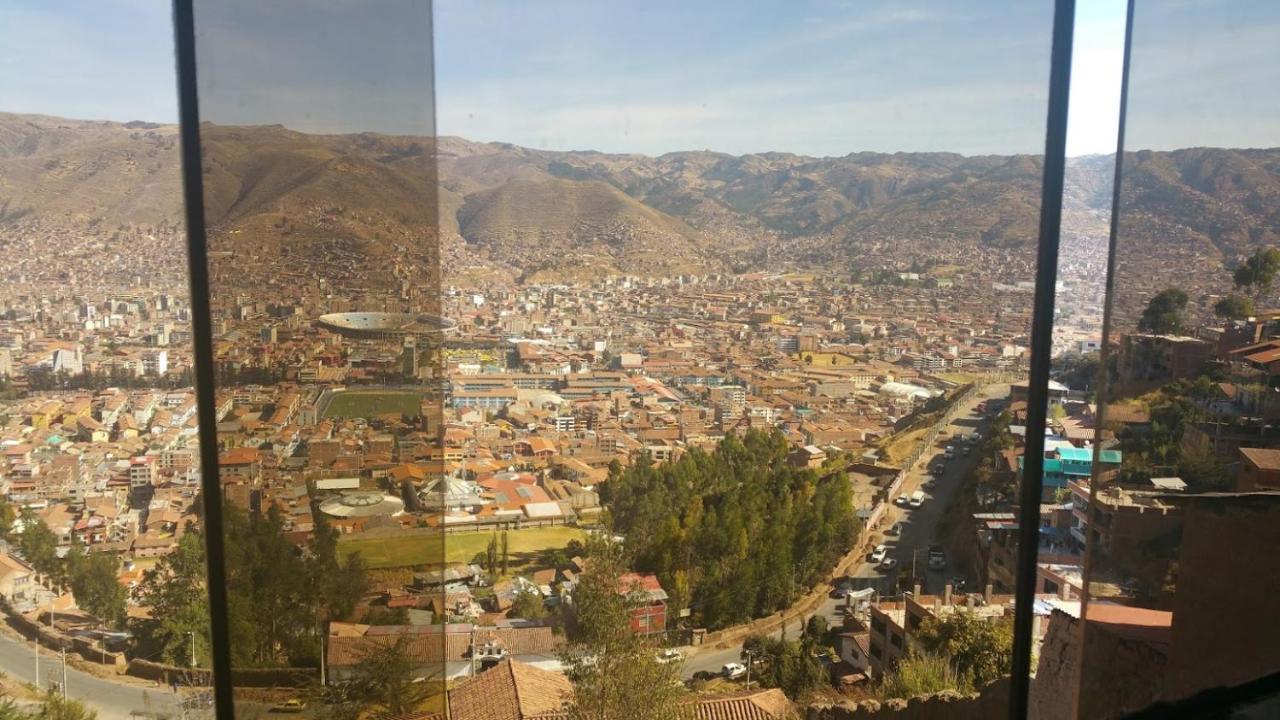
(917, 534)
(112, 699)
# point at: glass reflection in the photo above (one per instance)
(1180, 532)
(319, 184)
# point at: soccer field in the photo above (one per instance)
(424, 549)
(371, 403)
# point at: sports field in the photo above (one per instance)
(424, 549)
(371, 403)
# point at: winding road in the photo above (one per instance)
(112, 699)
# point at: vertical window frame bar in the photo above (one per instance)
(202, 337)
(1104, 354)
(1041, 351)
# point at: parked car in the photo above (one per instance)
(937, 557)
(965, 452)
(670, 655)
(292, 705)
(917, 499)
(895, 529)
(937, 470)
(901, 501)
(733, 670)
(878, 553)
(888, 563)
(950, 452)
(958, 584)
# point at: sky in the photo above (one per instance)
(816, 77)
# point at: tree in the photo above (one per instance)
(8, 517)
(923, 674)
(491, 557)
(980, 650)
(54, 707)
(96, 587)
(39, 544)
(175, 590)
(615, 673)
(10, 710)
(528, 604)
(790, 665)
(1234, 307)
(387, 678)
(736, 533)
(1258, 272)
(1164, 312)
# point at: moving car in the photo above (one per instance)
(950, 452)
(895, 529)
(670, 655)
(936, 470)
(937, 557)
(733, 671)
(917, 499)
(888, 563)
(878, 554)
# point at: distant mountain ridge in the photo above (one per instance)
(551, 213)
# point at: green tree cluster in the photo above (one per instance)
(792, 665)
(95, 584)
(1257, 273)
(1165, 312)
(279, 597)
(979, 649)
(739, 532)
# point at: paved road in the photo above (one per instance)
(112, 699)
(917, 533)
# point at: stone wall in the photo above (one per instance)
(991, 702)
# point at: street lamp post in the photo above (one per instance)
(193, 648)
(748, 653)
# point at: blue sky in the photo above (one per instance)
(819, 77)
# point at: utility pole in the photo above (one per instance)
(36, 644)
(64, 670)
(193, 648)
(748, 652)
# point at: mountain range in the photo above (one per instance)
(549, 214)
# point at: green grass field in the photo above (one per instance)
(371, 403)
(524, 547)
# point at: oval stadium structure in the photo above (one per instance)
(378, 325)
(362, 504)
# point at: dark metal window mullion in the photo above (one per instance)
(1041, 349)
(202, 334)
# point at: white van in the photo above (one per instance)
(917, 499)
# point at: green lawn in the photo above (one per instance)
(371, 403)
(424, 549)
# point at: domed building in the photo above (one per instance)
(452, 493)
(362, 505)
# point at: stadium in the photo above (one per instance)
(384, 326)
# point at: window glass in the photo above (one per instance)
(319, 189)
(751, 284)
(1178, 522)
